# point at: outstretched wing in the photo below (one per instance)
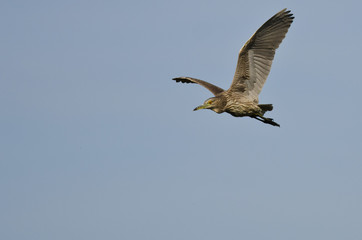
(256, 56)
(212, 88)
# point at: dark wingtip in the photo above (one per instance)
(183, 79)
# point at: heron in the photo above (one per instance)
(253, 66)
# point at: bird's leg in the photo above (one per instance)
(269, 121)
(266, 120)
(256, 117)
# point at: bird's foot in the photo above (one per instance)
(271, 122)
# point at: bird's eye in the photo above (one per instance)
(209, 102)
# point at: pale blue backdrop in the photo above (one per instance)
(97, 141)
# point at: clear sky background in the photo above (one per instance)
(97, 141)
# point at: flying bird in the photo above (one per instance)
(252, 69)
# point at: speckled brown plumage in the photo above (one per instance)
(253, 67)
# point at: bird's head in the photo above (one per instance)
(215, 104)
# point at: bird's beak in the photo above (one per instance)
(200, 107)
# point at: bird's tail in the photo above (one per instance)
(266, 107)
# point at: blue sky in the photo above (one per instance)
(97, 141)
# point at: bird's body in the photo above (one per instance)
(243, 109)
(253, 67)
(235, 105)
